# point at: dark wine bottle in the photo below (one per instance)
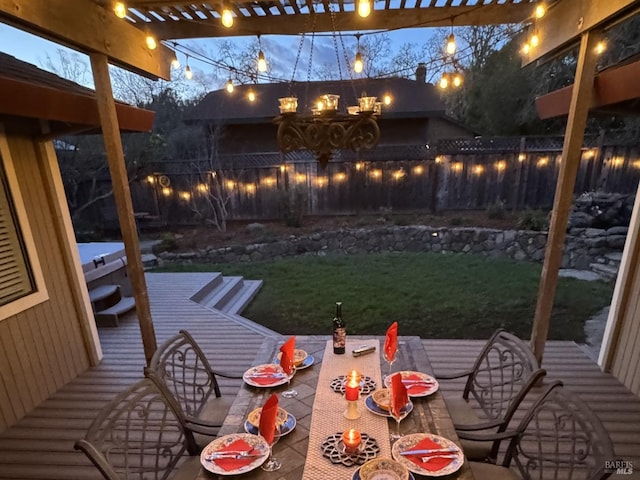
(339, 331)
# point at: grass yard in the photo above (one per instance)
(430, 295)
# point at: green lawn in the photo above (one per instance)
(430, 295)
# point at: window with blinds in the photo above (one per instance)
(16, 278)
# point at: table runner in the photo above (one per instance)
(328, 407)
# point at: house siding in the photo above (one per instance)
(43, 347)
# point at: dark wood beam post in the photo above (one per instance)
(571, 154)
(122, 196)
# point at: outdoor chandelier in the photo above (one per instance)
(326, 129)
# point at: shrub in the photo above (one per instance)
(532, 220)
(168, 243)
(497, 210)
(293, 206)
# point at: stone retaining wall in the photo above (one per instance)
(584, 245)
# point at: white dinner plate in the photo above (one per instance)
(417, 389)
(408, 442)
(257, 442)
(259, 376)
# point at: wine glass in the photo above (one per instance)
(390, 360)
(290, 392)
(272, 464)
(398, 416)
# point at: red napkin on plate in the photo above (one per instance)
(230, 464)
(399, 397)
(391, 341)
(416, 389)
(268, 417)
(267, 380)
(288, 355)
(432, 465)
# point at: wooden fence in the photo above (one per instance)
(465, 174)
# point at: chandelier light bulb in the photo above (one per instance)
(540, 10)
(227, 17)
(251, 96)
(358, 65)
(229, 86)
(451, 44)
(262, 62)
(444, 81)
(188, 74)
(120, 9)
(151, 42)
(364, 8)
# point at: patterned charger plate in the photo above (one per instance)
(418, 384)
(284, 428)
(265, 376)
(306, 363)
(367, 384)
(408, 442)
(257, 442)
(333, 449)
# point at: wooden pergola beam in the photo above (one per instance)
(122, 197)
(613, 86)
(567, 20)
(571, 153)
(87, 27)
(346, 21)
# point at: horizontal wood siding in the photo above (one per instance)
(41, 348)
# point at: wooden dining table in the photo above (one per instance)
(429, 414)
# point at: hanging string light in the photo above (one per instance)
(175, 63)
(229, 85)
(358, 64)
(540, 10)
(534, 41)
(457, 79)
(188, 74)
(227, 16)
(600, 47)
(386, 99)
(451, 42)
(120, 9)
(364, 8)
(251, 95)
(262, 62)
(444, 81)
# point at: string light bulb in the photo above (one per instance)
(534, 41)
(175, 63)
(364, 8)
(451, 44)
(188, 74)
(540, 10)
(151, 42)
(358, 65)
(262, 62)
(444, 81)
(229, 86)
(120, 9)
(386, 99)
(251, 95)
(457, 80)
(526, 48)
(227, 16)
(601, 47)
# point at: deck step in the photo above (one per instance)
(208, 288)
(223, 294)
(109, 317)
(243, 296)
(102, 292)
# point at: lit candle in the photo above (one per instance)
(351, 439)
(352, 387)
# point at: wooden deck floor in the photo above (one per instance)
(40, 446)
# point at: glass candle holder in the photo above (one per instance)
(367, 104)
(288, 104)
(352, 440)
(330, 102)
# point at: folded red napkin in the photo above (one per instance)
(399, 397)
(288, 355)
(432, 465)
(416, 389)
(230, 464)
(391, 342)
(268, 417)
(267, 379)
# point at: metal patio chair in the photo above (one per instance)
(138, 436)
(559, 437)
(183, 374)
(501, 377)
